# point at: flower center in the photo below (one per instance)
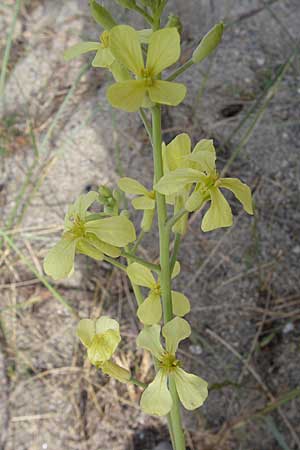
(169, 363)
(147, 77)
(151, 195)
(104, 39)
(78, 228)
(156, 289)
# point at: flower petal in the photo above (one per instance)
(125, 46)
(156, 399)
(219, 213)
(131, 186)
(127, 95)
(79, 49)
(195, 201)
(81, 205)
(86, 248)
(180, 304)
(147, 219)
(103, 247)
(176, 270)
(86, 330)
(175, 331)
(167, 92)
(105, 323)
(119, 72)
(163, 50)
(175, 181)
(204, 154)
(59, 262)
(141, 275)
(143, 202)
(192, 390)
(116, 230)
(144, 35)
(241, 191)
(150, 311)
(103, 58)
(103, 346)
(177, 150)
(149, 339)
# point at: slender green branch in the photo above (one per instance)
(171, 222)
(151, 266)
(144, 14)
(138, 383)
(146, 123)
(137, 243)
(180, 70)
(173, 258)
(115, 263)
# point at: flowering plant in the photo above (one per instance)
(185, 179)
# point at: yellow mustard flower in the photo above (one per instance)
(94, 238)
(145, 200)
(150, 311)
(202, 172)
(163, 51)
(175, 157)
(192, 390)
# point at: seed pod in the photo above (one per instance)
(208, 44)
(101, 15)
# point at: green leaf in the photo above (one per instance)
(101, 15)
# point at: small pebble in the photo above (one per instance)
(45, 446)
(195, 349)
(288, 328)
(296, 250)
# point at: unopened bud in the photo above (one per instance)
(101, 15)
(208, 44)
(174, 21)
(116, 371)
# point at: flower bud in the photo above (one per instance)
(208, 44)
(130, 4)
(101, 15)
(116, 371)
(174, 21)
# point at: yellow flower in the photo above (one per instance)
(202, 171)
(145, 200)
(150, 311)
(191, 389)
(94, 238)
(163, 51)
(101, 337)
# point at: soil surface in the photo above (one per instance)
(59, 137)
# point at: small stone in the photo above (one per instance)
(195, 349)
(296, 250)
(288, 328)
(260, 61)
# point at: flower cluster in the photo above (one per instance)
(199, 169)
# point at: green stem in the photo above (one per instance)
(144, 14)
(174, 418)
(173, 258)
(138, 241)
(138, 383)
(115, 263)
(171, 222)
(146, 123)
(151, 266)
(180, 70)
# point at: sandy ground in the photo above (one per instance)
(243, 282)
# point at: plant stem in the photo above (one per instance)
(180, 70)
(175, 251)
(132, 257)
(174, 418)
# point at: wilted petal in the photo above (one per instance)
(241, 191)
(180, 304)
(141, 275)
(125, 46)
(150, 311)
(163, 50)
(219, 213)
(143, 202)
(127, 95)
(103, 58)
(79, 49)
(86, 330)
(156, 398)
(192, 390)
(149, 339)
(131, 186)
(175, 331)
(59, 262)
(147, 220)
(195, 201)
(167, 92)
